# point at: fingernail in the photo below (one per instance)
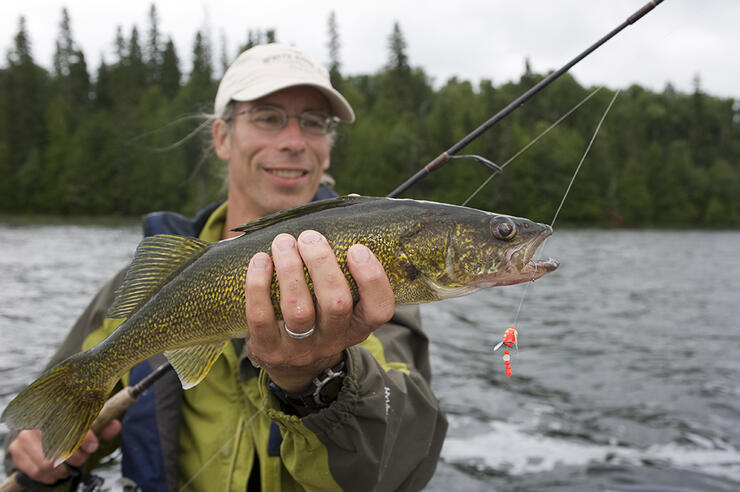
(90, 447)
(360, 253)
(284, 243)
(259, 262)
(310, 237)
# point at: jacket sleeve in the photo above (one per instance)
(385, 430)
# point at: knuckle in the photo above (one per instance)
(386, 312)
(13, 447)
(380, 313)
(340, 305)
(258, 315)
(298, 313)
(36, 472)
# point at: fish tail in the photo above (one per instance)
(62, 402)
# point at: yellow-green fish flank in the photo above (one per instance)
(185, 297)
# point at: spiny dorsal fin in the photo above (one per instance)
(193, 363)
(157, 260)
(300, 210)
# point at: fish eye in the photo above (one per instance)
(503, 228)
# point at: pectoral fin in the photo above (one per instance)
(193, 363)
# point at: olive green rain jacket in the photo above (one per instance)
(384, 432)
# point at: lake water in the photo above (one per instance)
(627, 373)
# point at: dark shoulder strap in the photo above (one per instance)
(177, 224)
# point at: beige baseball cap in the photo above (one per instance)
(268, 68)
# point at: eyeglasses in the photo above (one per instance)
(273, 118)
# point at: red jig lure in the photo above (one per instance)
(510, 336)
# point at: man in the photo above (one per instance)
(254, 423)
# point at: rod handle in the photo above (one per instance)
(113, 409)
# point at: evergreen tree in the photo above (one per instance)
(200, 81)
(25, 89)
(398, 61)
(225, 59)
(635, 203)
(137, 68)
(334, 47)
(71, 78)
(701, 138)
(154, 54)
(65, 47)
(120, 45)
(103, 90)
(171, 75)
(197, 95)
(71, 146)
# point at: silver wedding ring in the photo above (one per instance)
(298, 336)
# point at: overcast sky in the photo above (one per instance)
(470, 39)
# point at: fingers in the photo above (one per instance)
(111, 430)
(334, 309)
(259, 309)
(28, 455)
(377, 303)
(296, 302)
(89, 445)
(333, 297)
(336, 322)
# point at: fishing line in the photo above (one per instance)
(567, 191)
(532, 142)
(603, 117)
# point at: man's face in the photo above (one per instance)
(273, 170)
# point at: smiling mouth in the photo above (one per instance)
(287, 173)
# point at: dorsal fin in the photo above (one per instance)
(157, 260)
(300, 210)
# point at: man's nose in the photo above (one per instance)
(292, 136)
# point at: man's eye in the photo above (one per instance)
(313, 122)
(269, 118)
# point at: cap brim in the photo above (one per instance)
(339, 105)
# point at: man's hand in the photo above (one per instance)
(292, 363)
(28, 453)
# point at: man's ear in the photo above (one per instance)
(221, 140)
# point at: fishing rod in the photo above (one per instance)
(113, 409)
(450, 153)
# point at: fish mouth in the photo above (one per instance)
(534, 269)
(518, 266)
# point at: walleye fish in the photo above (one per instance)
(185, 297)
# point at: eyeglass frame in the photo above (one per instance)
(331, 122)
